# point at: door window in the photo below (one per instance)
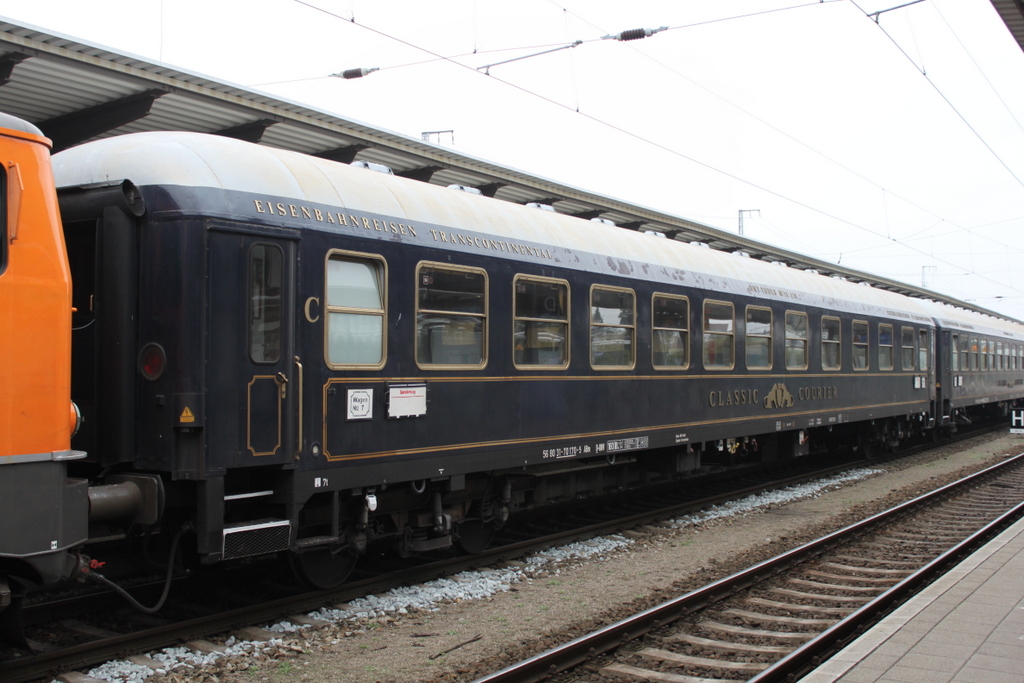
(266, 264)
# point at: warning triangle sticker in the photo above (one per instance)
(187, 416)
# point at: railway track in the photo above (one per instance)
(87, 643)
(778, 619)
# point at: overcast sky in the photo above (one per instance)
(894, 147)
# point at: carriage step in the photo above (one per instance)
(259, 537)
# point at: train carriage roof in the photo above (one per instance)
(232, 168)
(957, 319)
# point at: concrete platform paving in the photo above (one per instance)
(967, 627)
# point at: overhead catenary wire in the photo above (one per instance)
(946, 99)
(782, 132)
(640, 33)
(887, 236)
(675, 152)
(981, 71)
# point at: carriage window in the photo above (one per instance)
(759, 338)
(451, 315)
(974, 353)
(612, 327)
(907, 348)
(670, 345)
(860, 345)
(796, 341)
(984, 354)
(885, 344)
(356, 326)
(719, 339)
(266, 263)
(541, 333)
(999, 356)
(922, 350)
(965, 354)
(831, 349)
(954, 353)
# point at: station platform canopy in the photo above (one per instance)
(76, 91)
(1012, 14)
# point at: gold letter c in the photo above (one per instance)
(309, 316)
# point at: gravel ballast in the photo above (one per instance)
(461, 627)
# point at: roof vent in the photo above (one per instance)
(655, 233)
(603, 221)
(700, 244)
(379, 168)
(780, 263)
(542, 207)
(742, 254)
(465, 188)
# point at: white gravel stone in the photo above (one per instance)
(769, 499)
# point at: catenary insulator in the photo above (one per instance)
(355, 73)
(635, 34)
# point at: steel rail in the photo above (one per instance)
(580, 649)
(814, 651)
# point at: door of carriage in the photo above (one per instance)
(253, 375)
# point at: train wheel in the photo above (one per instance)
(475, 535)
(323, 567)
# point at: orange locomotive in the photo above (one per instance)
(43, 512)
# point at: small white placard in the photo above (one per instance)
(1017, 421)
(407, 400)
(360, 404)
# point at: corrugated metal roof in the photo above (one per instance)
(75, 92)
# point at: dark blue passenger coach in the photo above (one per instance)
(303, 356)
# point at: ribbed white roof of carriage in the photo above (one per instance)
(959, 319)
(197, 160)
